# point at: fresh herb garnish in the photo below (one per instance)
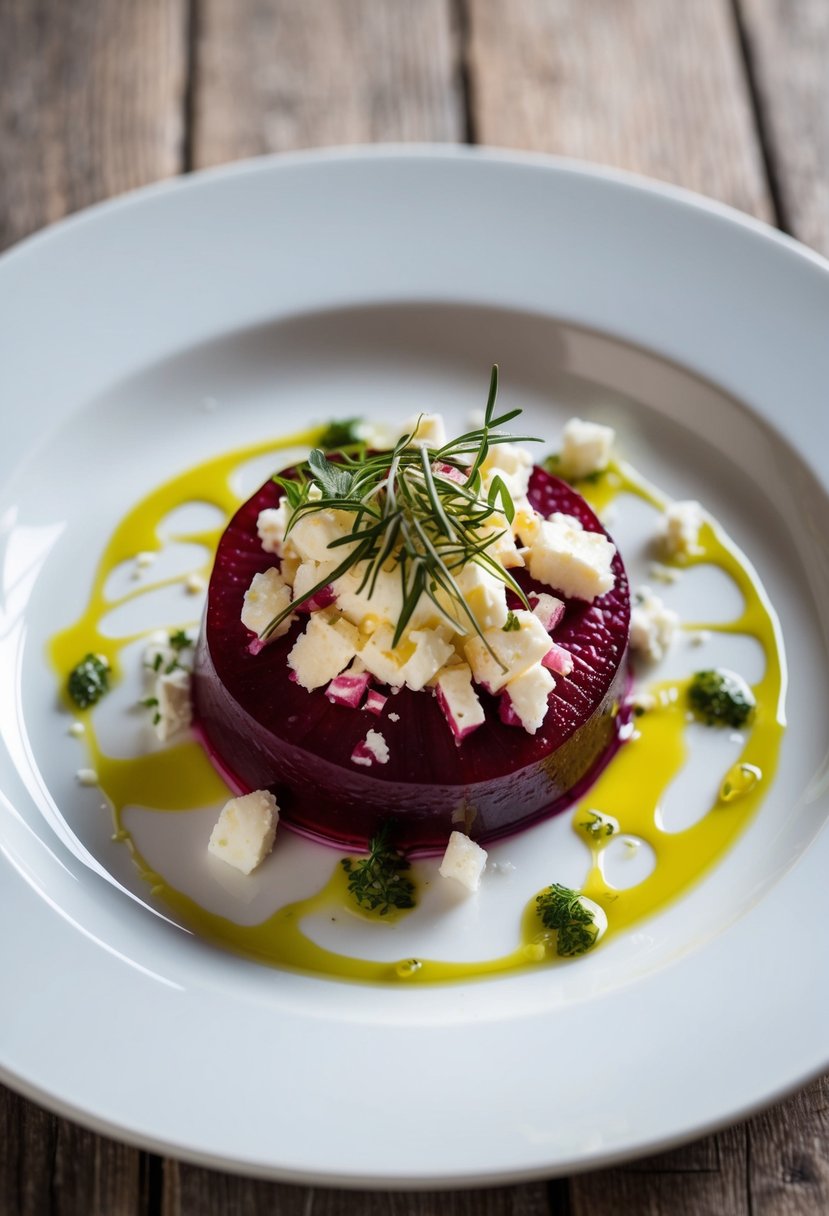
(721, 698)
(179, 640)
(378, 881)
(597, 825)
(408, 513)
(340, 433)
(512, 623)
(562, 910)
(89, 680)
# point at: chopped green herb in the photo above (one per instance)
(340, 433)
(405, 511)
(721, 698)
(89, 680)
(562, 910)
(597, 825)
(149, 702)
(157, 661)
(179, 640)
(512, 623)
(377, 882)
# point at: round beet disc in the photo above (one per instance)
(264, 731)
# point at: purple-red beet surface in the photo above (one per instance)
(262, 730)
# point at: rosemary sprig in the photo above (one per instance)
(378, 882)
(407, 512)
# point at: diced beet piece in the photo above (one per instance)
(348, 688)
(551, 613)
(268, 732)
(375, 702)
(558, 660)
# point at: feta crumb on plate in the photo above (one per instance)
(245, 830)
(464, 860)
(679, 528)
(586, 447)
(652, 626)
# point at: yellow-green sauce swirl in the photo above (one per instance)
(630, 790)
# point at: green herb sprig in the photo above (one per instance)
(89, 680)
(408, 512)
(562, 910)
(378, 882)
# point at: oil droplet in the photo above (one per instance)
(408, 967)
(739, 780)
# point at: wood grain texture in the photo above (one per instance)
(274, 75)
(189, 1191)
(708, 1179)
(50, 1167)
(789, 1156)
(658, 88)
(90, 103)
(788, 48)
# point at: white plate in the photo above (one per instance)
(372, 280)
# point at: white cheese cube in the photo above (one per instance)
(313, 533)
(502, 546)
(513, 464)
(548, 608)
(426, 430)
(680, 526)
(516, 651)
(323, 650)
(526, 522)
(267, 596)
(245, 830)
(379, 657)
(485, 595)
(271, 525)
(528, 697)
(432, 650)
(571, 560)
(464, 860)
(652, 626)
(586, 448)
(459, 701)
(174, 710)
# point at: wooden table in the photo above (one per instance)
(728, 97)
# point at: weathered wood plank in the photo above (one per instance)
(708, 1178)
(50, 1167)
(658, 88)
(274, 75)
(788, 46)
(789, 1155)
(91, 103)
(195, 1192)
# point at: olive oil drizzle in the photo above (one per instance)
(631, 790)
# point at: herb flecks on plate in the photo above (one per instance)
(565, 912)
(89, 680)
(378, 882)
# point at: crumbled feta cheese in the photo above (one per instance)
(573, 561)
(526, 522)
(372, 750)
(414, 661)
(502, 546)
(267, 596)
(159, 655)
(86, 776)
(652, 626)
(313, 533)
(322, 651)
(515, 651)
(143, 561)
(174, 711)
(464, 860)
(195, 583)
(244, 832)
(485, 595)
(77, 730)
(528, 697)
(679, 530)
(393, 717)
(307, 576)
(586, 447)
(426, 430)
(459, 701)
(271, 526)
(513, 464)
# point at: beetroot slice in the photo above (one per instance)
(265, 731)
